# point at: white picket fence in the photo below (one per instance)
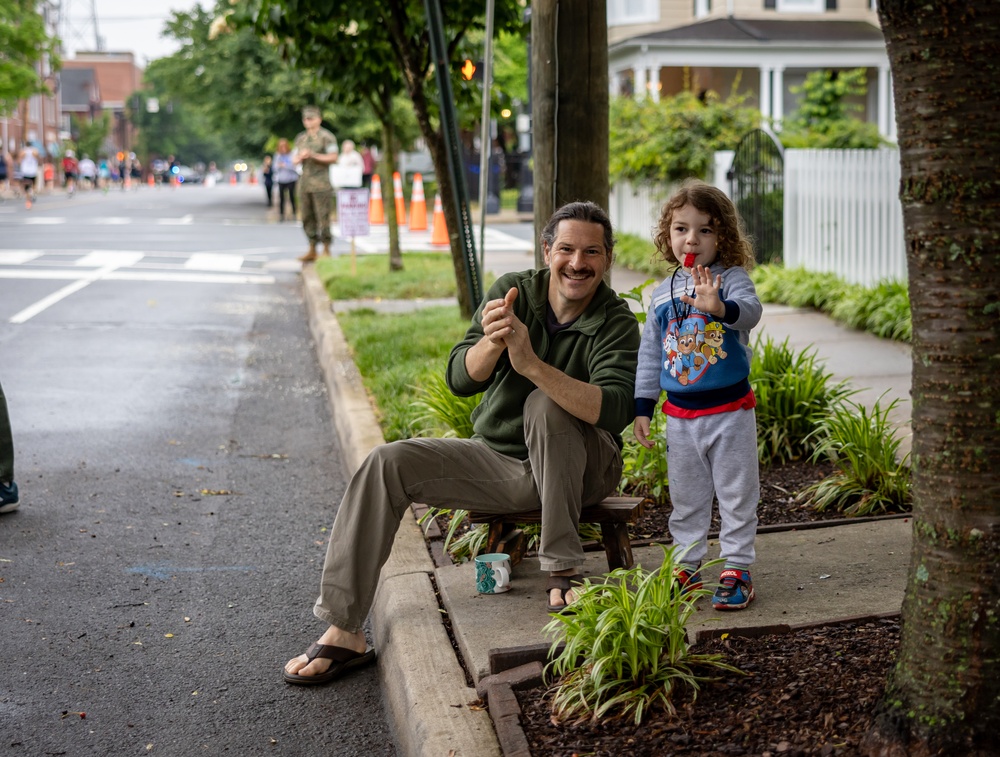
(841, 212)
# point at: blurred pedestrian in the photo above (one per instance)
(71, 169)
(28, 168)
(88, 172)
(48, 175)
(267, 174)
(368, 169)
(8, 489)
(287, 176)
(4, 172)
(315, 151)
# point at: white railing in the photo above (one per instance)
(842, 213)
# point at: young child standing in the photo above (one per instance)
(695, 346)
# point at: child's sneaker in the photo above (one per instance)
(735, 590)
(689, 579)
(8, 497)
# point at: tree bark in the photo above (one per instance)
(569, 86)
(943, 695)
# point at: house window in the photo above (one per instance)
(702, 8)
(770, 5)
(831, 5)
(622, 12)
(801, 6)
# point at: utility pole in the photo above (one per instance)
(569, 103)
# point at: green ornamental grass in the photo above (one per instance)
(794, 394)
(625, 649)
(871, 478)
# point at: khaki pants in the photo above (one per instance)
(316, 209)
(570, 464)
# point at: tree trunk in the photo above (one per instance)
(569, 105)
(388, 200)
(943, 696)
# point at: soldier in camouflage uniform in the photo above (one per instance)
(315, 151)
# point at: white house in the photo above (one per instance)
(763, 48)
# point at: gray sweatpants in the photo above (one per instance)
(570, 464)
(714, 455)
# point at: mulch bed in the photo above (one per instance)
(810, 692)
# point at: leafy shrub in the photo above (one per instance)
(639, 254)
(675, 138)
(626, 648)
(882, 310)
(644, 471)
(438, 412)
(794, 394)
(796, 286)
(870, 477)
(823, 118)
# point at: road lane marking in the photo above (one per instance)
(100, 258)
(44, 221)
(182, 221)
(213, 261)
(46, 302)
(18, 257)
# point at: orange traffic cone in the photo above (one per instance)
(232, 178)
(439, 229)
(397, 192)
(376, 212)
(151, 180)
(418, 205)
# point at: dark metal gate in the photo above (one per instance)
(757, 186)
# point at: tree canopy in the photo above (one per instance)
(23, 43)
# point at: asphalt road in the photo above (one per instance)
(178, 474)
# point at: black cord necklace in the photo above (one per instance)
(681, 309)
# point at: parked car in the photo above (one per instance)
(187, 175)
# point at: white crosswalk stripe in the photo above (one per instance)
(210, 261)
(17, 257)
(101, 258)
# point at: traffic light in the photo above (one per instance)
(472, 70)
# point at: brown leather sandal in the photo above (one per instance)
(343, 660)
(563, 584)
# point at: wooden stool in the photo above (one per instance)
(613, 514)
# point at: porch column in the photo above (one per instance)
(654, 82)
(778, 100)
(640, 82)
(765, 90)
(884, 101)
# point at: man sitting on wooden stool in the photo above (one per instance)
(555, 351)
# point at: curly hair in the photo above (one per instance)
(734, 246)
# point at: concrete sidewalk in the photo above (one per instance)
(806, 576)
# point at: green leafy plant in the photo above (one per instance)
(675, 138)
(794, 394)
(644, 471)
(871, 478)
(625, 646)
(823, 118)
(882, 310)
(438, 412)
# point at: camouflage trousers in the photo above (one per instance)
(316, 208)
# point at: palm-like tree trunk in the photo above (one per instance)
(943, 695)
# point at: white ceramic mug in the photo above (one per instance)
(493, 573)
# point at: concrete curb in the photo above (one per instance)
(426, 691)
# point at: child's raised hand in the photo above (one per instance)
(706, 292)
(641, 430)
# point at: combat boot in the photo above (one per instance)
(309, 256)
